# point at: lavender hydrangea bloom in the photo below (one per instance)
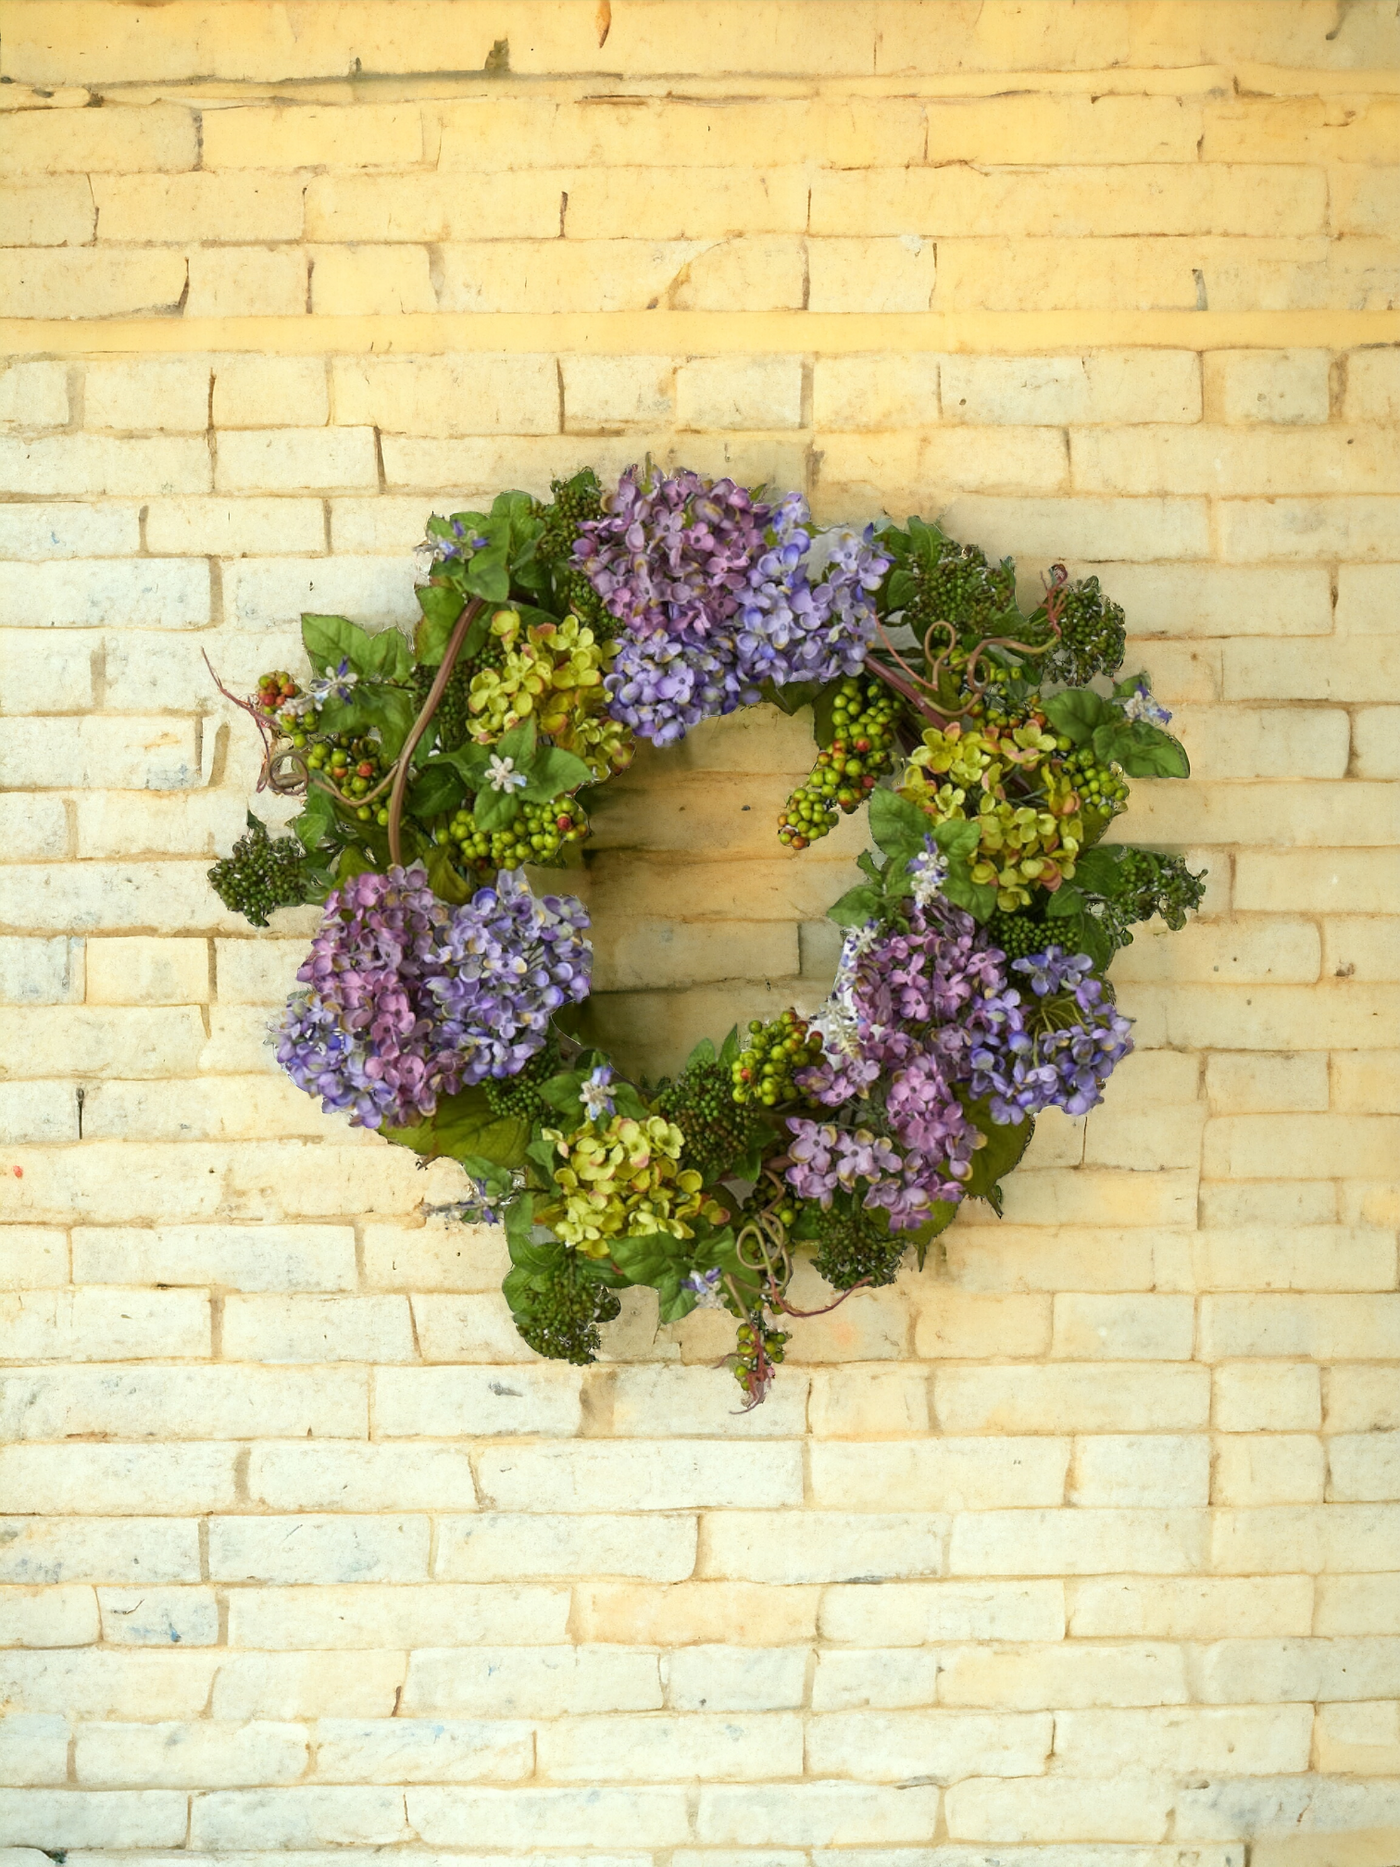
(408, 998)
(717, 593)
(1055, 1051)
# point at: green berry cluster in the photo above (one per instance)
(1101, 788)
(573, 502)
(1148, 884)
(962, 588)
(763, 1071)
(759, 1349)
(451, 721)
(519, 1095)
(718, 1130)
(539, 833)
(261, 875)
(845, 773)
(354, 766)
(854, 1245)
(563, 1313)
(1092, 636)
(1020, 935)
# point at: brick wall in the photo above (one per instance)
(302, 1550)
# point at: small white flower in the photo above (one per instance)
(705, 1285)
(501, 775)
(594, 1094)
(929, 871)
(1143, 706)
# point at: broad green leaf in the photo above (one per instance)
(553, 772)
(857, 906)
(495, 810)
(437, 787)
(393, 710)
(627, 1102)
(487, 572)
(353, 861)
(1143, 750)
(867, 865)
(1004, 1146)
(387, 657)
(329, 640)
(791, 696)
(317, 820)
(517, 745)
(1065, 901)
(898, 826)
(1079, 712)
(941, 1216)
(443, 879)
(729, 1049)
(543, 1154)
(704, 1052)
(465, 1125)
(1096, 870)
(958, 838)
(441, 604)
(823, 706)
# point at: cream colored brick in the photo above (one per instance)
(1253, 1397)
(165, 394)
(1365, 200)
(654, 1402)
(531, 1681)
(283, 1818)
(606, 394)
(1268, 1741)
(370, 1610)
(66, 1818)
(944, 1745)
(65, 282)
(629, 1474)
(910, 1614)
(1375, 731)
(868, 1403)
(241, 1257)
(1296, 1258)
(1358, 1604)
(1255, 1202)
(103, 1325)
(1218, 599)
(204, 1402)
(1199, 1608)
(736, 1748)
(364, 1478)
(422, 1750)
(34, 395)
(323, 1549)
(1372, 385)
(1140, 1470)
(1361, 1739)
(235, 527)
(147, 972)
(1093, 528)
(1250, 1082)
(467, 1328)
(93, 1549)
(188, 1755)
(48, 1617)
(835, 1547)
(246, 388)
(307, 1685)
(158, 136)
(736, 1678)
(1133, 1808)
(872, 275)
(727, 392)
(170, 1480)
(1275, 386)
(1360, 527)
(314, 1328)
(359, 281)
(498, 1547)
(1286, 1539)
(32, 1258)
(41, 674)
(1267, 1468)
(1355, 948)
(99, 464)
(268, 136)
(1240, 1147)
(833, 1814)
(875, 392)
(1090, 1397)
(1078, 1542)
(1062, 1676)
(1366, 1080)
(153, 754)
(47, 213)
(1101, 386)
(246, 282)
(1327, 1327)
(226, 209)
(1363, 1467)
(1123, 1328)
(645, 204)
(291, 460)
(159, 1617)
(538, 1817)
(964, 1326)
(478, 394)
(694, 1613)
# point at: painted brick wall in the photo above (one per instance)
(1079, 1549)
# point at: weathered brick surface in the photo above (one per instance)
(1077, 1549)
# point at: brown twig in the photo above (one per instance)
(466, 618)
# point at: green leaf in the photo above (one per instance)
(495, 810)
(627, 1102)
(329, 640)
(441, 605)
(857, 906)
(958, 838)
(792, 696)
(978, 898)
(518, 744)
(316, 822)
(942, 1214)
(486, 573)
(1143, 750)
(465, 1125)
(704, 1052)
(388, 657)
(443, 879)
(353, 861)
(1096, 870)
(544, 1154)
(1065, 901)
(1079, 712)
(898, 826)
(553, 772)
(1005, 1144)
(729, 1049)
(393, 710)
(437, 787)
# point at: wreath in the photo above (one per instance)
(442, 1000)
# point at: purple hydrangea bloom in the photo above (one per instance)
(717, 593)
(1055, 1049)
(408, 998)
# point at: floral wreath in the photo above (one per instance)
(441, 1002)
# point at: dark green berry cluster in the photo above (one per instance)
(519, 1095)
(718, 1131)
(854, 1245)
(262, 874)
(354, 765)
(763, 1071)
(1020, 935)
(1148, 884)
(573, 503)
(845, 773)
(963, 588)
(564, 1311)
(1092, 636)
(539, 834)
(451, 721)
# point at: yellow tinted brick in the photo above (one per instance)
(312, 136)
(227, 209)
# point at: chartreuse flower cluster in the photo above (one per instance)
(991, 746)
